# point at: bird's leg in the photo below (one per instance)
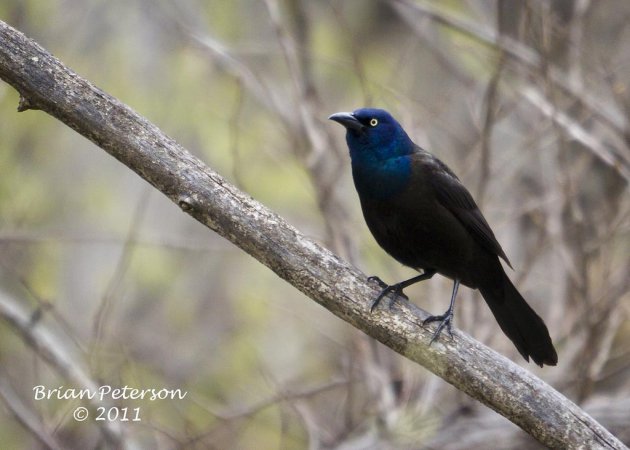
(446, 318)
(398, 287)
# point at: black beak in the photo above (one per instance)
(347, 120)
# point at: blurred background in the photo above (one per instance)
(103, 281)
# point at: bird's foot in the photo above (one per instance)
(378, 281)
(386, 289)
(445, 322)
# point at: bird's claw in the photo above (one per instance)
(378, 281)
(386, 289)
(445, 321)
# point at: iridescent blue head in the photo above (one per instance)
(379, 149)
(373, 134)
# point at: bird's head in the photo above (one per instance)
(373, 134)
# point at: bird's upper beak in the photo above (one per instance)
(347, 120)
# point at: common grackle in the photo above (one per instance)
(423, 216)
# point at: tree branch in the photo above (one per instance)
(45, 83)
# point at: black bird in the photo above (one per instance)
(423, 216)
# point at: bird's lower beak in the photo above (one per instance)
(347, 120)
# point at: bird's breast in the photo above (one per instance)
(417, 231)
(381, 180)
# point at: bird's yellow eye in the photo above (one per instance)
(373, 122)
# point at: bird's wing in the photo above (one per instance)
(452, 194)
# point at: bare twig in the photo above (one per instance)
(58, 356)
(519, 52)
(576, 131)
(576, 44)
(239, 413)
(531, 59)
(26, 416)
(491, 100)
(321, 161)
(112, 291)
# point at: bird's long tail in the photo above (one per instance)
(520, 322)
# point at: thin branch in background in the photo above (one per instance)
(617, 367)
(44, 307)
(576, 44)
(307, 417)
(26, 416)
(234, 132)
(432, 42)
(358, 68)
(230, 63)
(112, 291)
(484, 429)
(576, 131)
(174, 243)
(58, 356)
(620, 92)
(532, 254)
(535, 62)
(596, 324)
(243, 413)
(490, 103)
(323, 160)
